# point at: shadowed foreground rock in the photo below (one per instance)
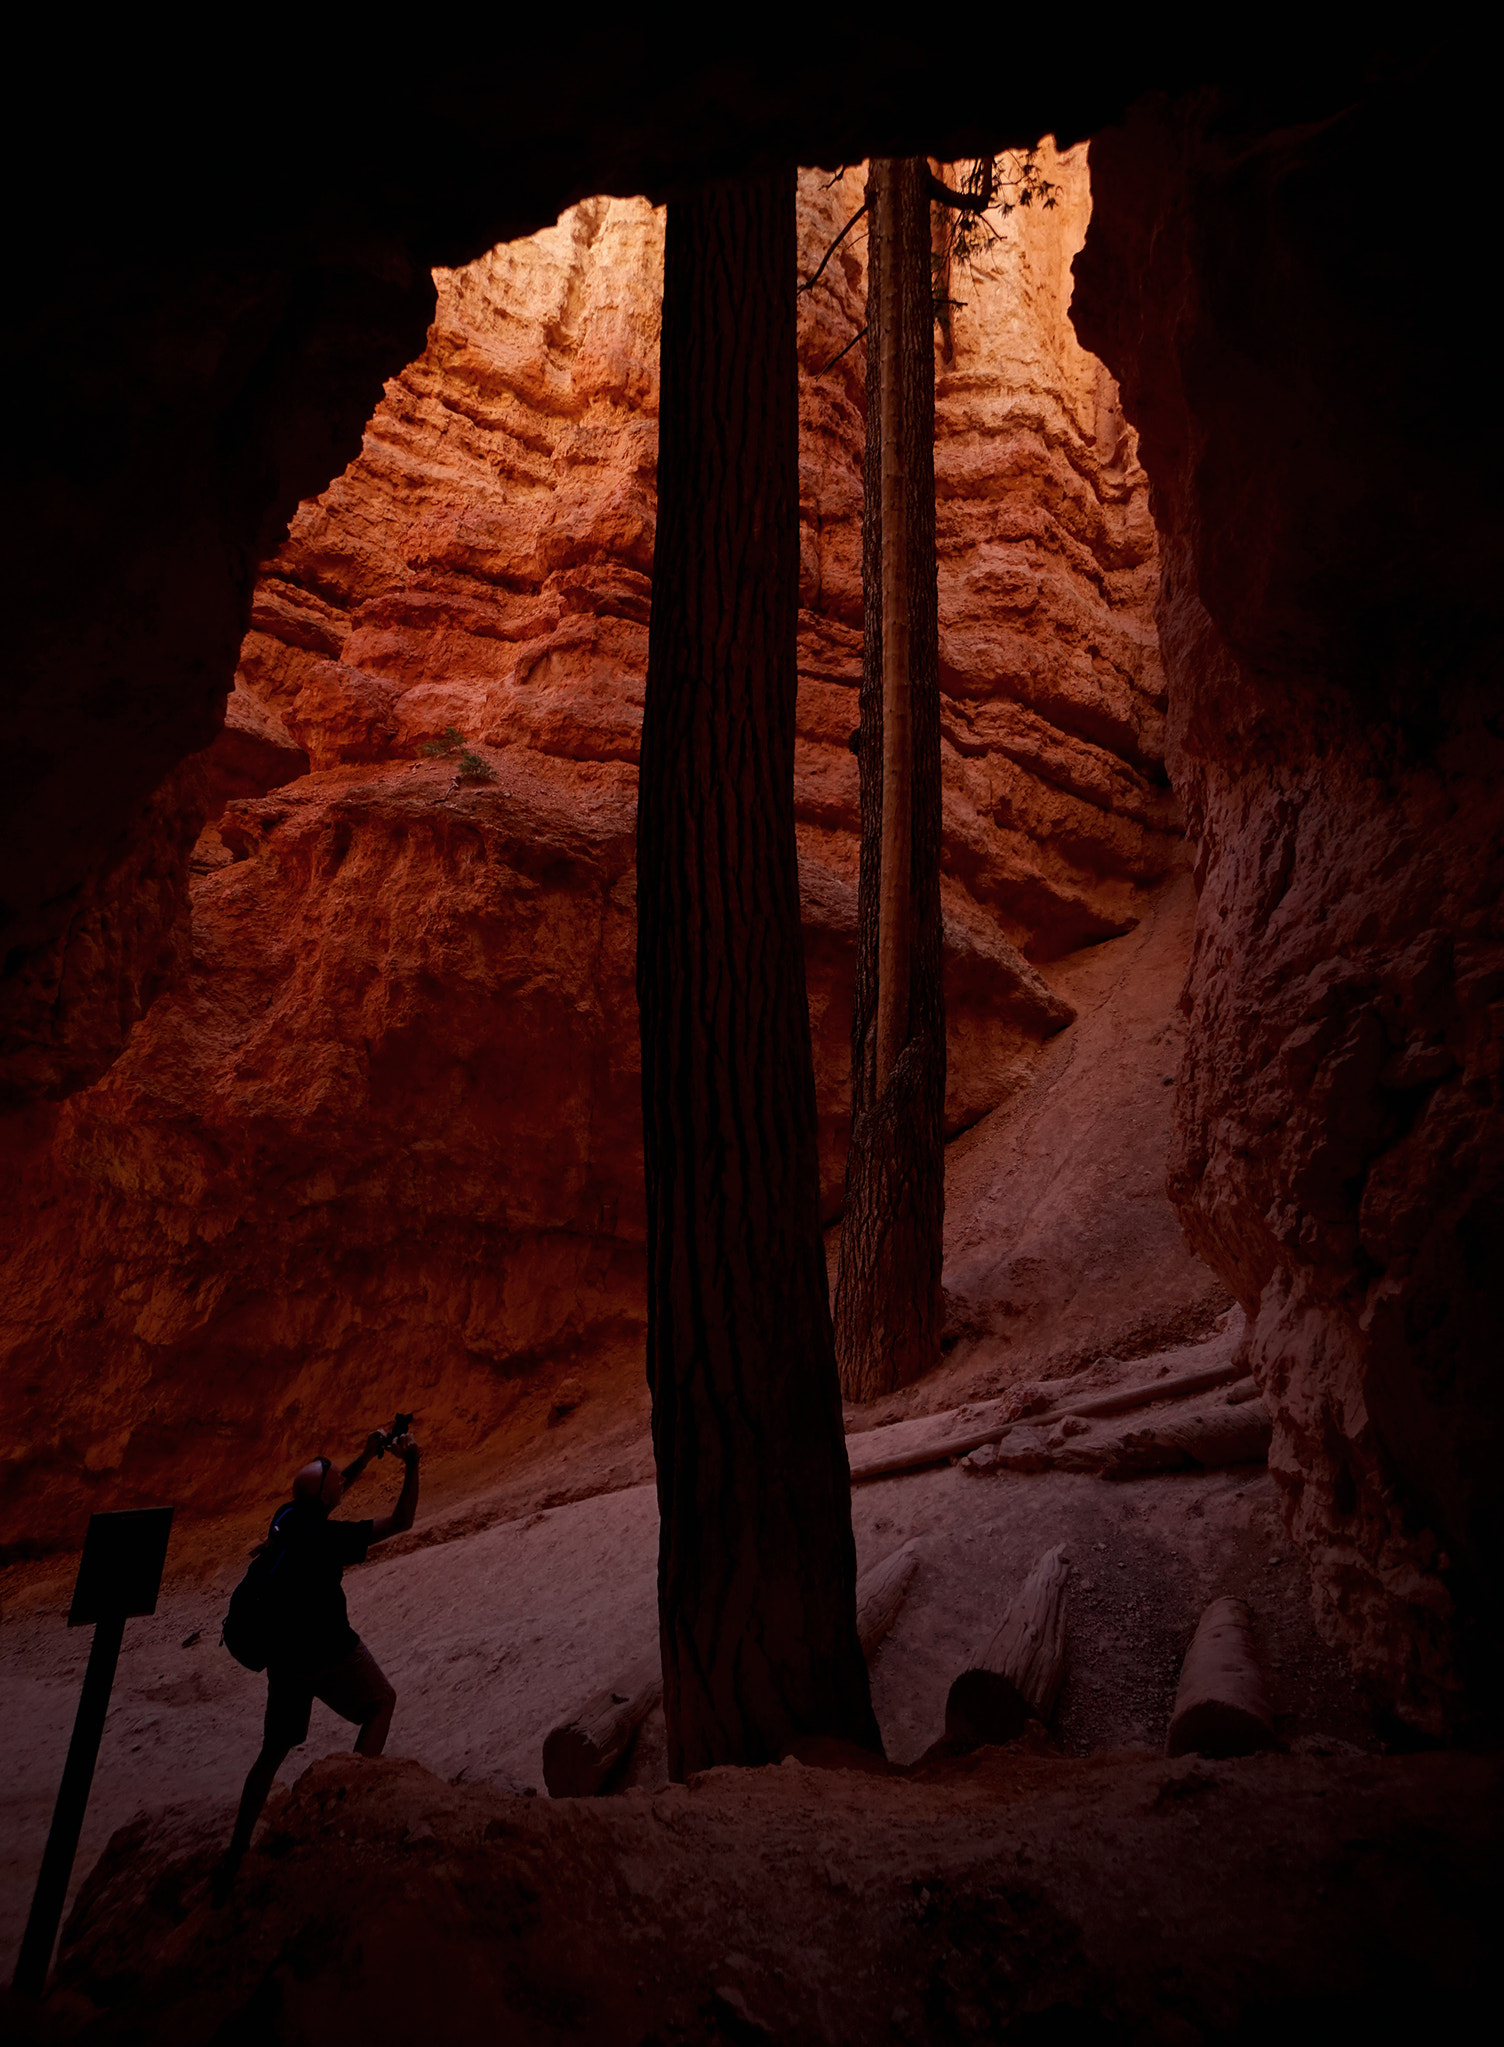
(1113, 1898)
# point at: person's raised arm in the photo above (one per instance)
(375, 1444)
(401, 1517)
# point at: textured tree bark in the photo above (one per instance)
(888, 1295)
(895, 899)
(757, 1567)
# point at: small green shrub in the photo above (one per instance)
(452, 744)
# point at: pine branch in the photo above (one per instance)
(851, 344)
(810, 282)
(967, 202)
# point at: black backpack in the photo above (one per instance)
(254, 1621)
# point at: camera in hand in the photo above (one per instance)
(400, 1425)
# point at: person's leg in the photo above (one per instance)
(371, 1739)
(258, 1783)
(358, 1690)
(287, 1708)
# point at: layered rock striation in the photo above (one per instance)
(1331, 627)
(382, 1133)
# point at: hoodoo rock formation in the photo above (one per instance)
(1331, 628)
(383, 1129)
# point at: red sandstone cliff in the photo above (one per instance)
(379, 1143)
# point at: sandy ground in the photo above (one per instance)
(1060, 1246)
(494, 1636)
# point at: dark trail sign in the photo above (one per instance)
(119, 1576)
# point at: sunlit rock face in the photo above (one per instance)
(1332, 639)
(1056, 810)
(380, 1142)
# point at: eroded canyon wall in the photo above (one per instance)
(229, 282)
(1273, 306)
(379, 1143)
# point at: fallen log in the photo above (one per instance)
(942, 1449)
(581, 1754)
(880, 1593)
(1017, 1676)
(1205, 1439)
(1211, 1439)
(1221, 1708)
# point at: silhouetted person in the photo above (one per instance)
(318, 1654)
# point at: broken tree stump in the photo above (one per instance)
(1220, 1707)
(1017, 1676)
(580, 1755)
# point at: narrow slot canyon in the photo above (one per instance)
(321, 1082)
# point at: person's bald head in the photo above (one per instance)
(319, 1482)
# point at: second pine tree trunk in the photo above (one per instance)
(888, 1297)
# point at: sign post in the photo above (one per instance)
(119, 1576)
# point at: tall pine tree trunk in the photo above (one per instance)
(888, 1296)
(757, 1567)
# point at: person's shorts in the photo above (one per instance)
(353, 1685)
